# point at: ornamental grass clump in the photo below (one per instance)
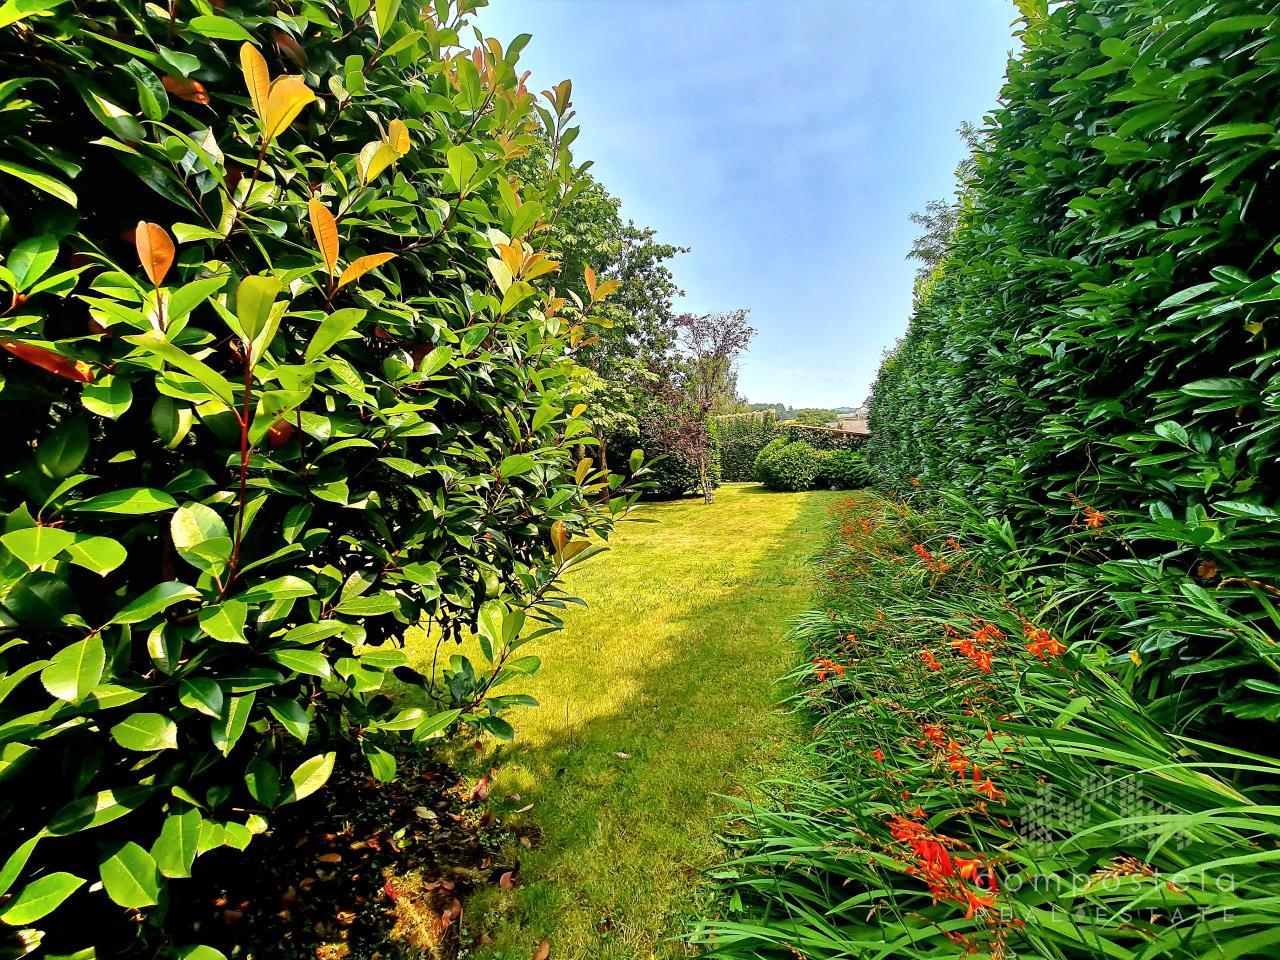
(982, 784)
(283, 376)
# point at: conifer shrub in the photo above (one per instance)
(282, 378)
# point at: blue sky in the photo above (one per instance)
(786, 142)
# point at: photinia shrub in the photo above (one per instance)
(282, 378)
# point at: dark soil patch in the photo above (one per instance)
(362, 871)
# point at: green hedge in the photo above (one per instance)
(822, 438)
(278, 384)
(672, 475)
(741, 437)
(1097, 354)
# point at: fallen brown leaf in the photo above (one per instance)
(543, 951)
(451, 913)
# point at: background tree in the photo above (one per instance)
(709, 345)
(813, 416)
(941, 217)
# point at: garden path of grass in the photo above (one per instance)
(657, 698)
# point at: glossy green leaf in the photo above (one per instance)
(225, 621)
(145, 732)
(175, 849)
(202, 694)
(155, 601)
(130, 877)
(76, 669)
(36, 546)
(310, 775)
(99, 554)
(133, 501)
(39, 898)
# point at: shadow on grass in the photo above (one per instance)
(663, 697)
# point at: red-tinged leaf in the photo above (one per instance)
(358, 268)
(589, 275)
(55, 363)
(325, 229)
(155, 250)
(185, 89)
(480, 791)
(290, 47)
(507, 881)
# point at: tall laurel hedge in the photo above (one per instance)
(741, 437)
(1098, 353)
(281, 378)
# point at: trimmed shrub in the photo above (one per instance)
(741, 437)
(790, 466)
(842, 470)
(1097, 354)
(329, 404)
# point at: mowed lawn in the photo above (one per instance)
(656, 699)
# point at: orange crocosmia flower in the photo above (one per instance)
(878, 754)
(968, 869)
(991, 880)
(1094, 518)
(976, 903)
(930, 661)
(1043, 645)
(990, 790)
